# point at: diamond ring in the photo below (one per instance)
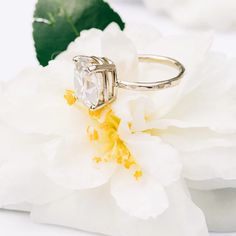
(96, 81)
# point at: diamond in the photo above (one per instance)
(94, 81)
(88, 87)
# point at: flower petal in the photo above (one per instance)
(89, 43)
(155, 157)
(21, 178)
(212, 163)
(71, 164)
(120, 49)
(144, 198)
(195, 139)
(210, 104)
(34, 102)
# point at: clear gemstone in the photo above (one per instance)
(87, 85)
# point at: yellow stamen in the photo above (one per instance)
(70, 98)
(129, 162)
(97, 113)
(97, 159)
(147, 117)
(108, 142)
(92, 134)
(130, 125)
(119, 160)
(112, 146)
(138, 174)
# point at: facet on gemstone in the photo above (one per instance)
(88, 87)
(94, 87)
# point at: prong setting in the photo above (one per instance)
(95, 81)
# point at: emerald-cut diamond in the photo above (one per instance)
(94, 81)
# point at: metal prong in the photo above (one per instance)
(76, 59)
(79, 57)
(101, 68)
(97, 60)
(107, 61)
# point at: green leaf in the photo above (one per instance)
(59, 22)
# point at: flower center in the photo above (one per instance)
(104, 135)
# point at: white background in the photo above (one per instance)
(16, 52)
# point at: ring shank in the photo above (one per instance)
(147, 86)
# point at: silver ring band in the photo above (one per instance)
(163, 84)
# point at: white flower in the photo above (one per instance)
(70, 153)
(91, 159)
(218, 14)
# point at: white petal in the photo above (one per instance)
(21, 178)
(212, 163)
(71, 164)
(35, 102)
(194, 139)
(25, 182)
(89, 43)
(120, 49)
(133, 107)
(155, 157)
(89, 210)
(203, 107)
(140, 37)
(144, 198)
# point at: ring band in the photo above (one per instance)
(145, 86)
(96, 81)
